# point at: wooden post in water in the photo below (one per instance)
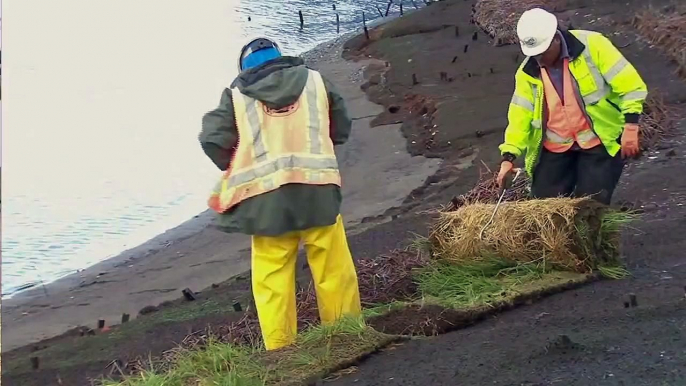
(379, 9)
(338, 24)
(401, 8)
(388, 7)
(364, 24)
(302, 20)
(415, 4)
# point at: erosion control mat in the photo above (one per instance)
(435, 317)
(318, 358)
(576, 235)
(318, 352)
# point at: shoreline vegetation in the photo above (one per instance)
(423, 293)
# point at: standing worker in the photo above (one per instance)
(274, 134)
(574, 112)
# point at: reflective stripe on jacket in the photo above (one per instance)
(278, 147)
(611, 89)
(566, 122)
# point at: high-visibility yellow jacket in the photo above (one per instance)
(611, 89)
(276, 147)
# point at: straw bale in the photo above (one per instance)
(566, 233)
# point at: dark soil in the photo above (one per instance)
(613, 345)
(457, 110)
(75, 358)
(580, 337)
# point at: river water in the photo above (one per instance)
(102, 107)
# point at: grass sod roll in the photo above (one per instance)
(578, 235)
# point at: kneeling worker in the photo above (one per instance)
(574, 111)
(274, 134)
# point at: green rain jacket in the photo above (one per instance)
(611, 89)
(277, 83)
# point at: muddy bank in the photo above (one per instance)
(378, 173)
(580, 337)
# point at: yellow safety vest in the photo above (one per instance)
(291, 145)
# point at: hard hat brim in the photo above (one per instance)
(249, 42)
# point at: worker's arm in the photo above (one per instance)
(219, 135)
(341, 124)
(620, 75)
(520, 116)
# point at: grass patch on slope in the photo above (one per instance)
(318, 351)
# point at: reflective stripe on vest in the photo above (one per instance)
(278, 147)
(566, 122)
(600, 82)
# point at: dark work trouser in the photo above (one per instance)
(577, 173)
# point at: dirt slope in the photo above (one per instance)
(608, 343)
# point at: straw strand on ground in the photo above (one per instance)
(666, 28)
(658, 121)
(487, 191)
(499, 18)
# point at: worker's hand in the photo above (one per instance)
(506, 167)
(630, 145)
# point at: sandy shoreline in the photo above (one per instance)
(378, 174)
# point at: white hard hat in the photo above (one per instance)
(536, 30)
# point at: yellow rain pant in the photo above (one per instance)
(273, 279)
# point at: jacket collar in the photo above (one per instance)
(574, 46)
